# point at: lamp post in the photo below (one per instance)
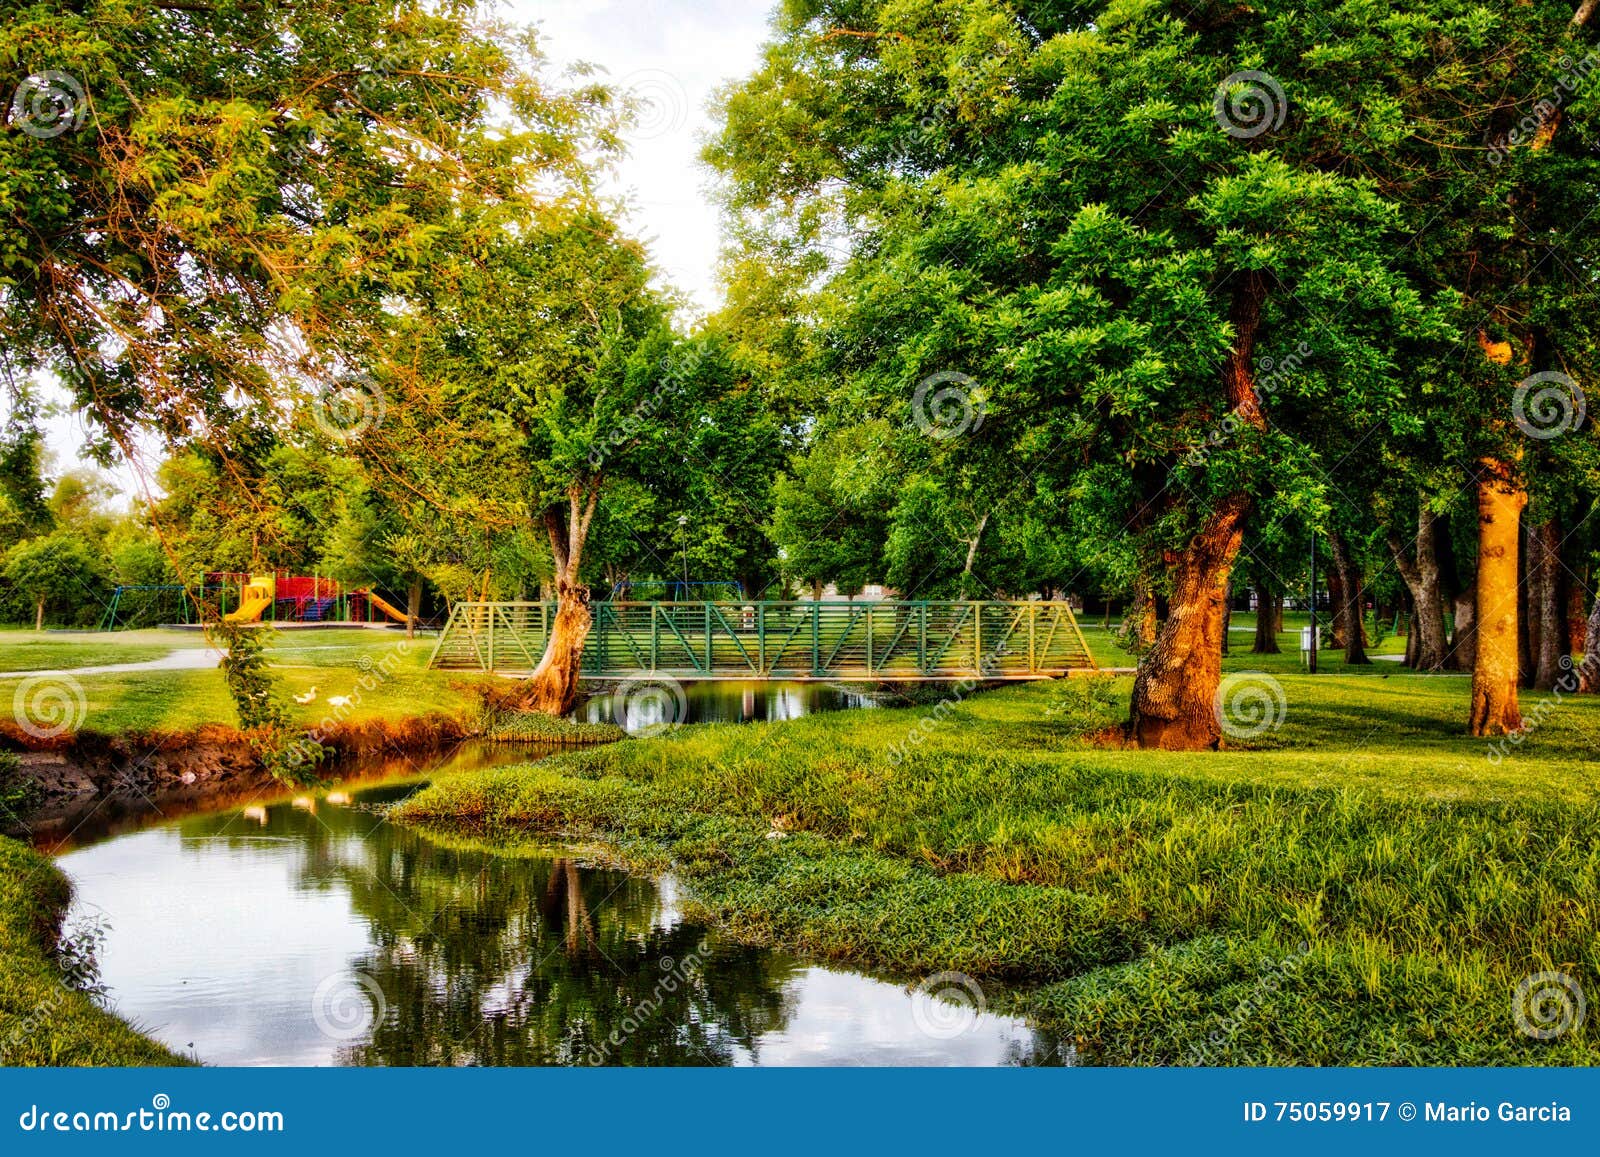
(683, 534)
(1311, 655)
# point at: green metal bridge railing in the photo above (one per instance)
(863, 641)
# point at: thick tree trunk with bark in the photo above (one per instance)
(1267, 615)
(1495, 676)
(553, 689)
(1175, 693)
(1354, 592)
(1589, 672)
(1421, 576)
(1549, 606)
(1338, 630)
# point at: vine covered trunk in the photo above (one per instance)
(1495, 675)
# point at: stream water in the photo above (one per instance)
(308, 930)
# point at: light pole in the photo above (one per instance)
(1311, 655)
(683, 533)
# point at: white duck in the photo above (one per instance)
(309, 697)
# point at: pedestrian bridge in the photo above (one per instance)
(853, 641)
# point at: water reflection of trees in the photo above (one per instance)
(487, 959)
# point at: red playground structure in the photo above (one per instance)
(274, 598)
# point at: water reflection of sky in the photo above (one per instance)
(224, 928)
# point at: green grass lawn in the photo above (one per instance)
(1151, 906)
(383, 674)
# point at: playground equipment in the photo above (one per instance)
(386, 607)
(259, 594)
(147, 605)
(865, 641)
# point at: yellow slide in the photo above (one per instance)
(388, 608)
(258, 597)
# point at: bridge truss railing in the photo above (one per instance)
(780, 640)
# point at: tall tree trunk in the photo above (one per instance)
(1495, 675)
(553, 689)
(1421, 576)
(1267, 614)
(413, 607)
(1175, 693)
(1531, 575)
(1353, 590)
(1413, 640)
(38, 616)
(1464, 643)
(1338, 629)
(1549, 606)
(1589, 673)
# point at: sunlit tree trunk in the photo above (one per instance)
(1589, 673)
(1175, 693)
(38, 616)
(554, 686)
(1496, 674)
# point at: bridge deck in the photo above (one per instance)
(860, 641)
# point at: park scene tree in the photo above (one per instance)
(1161, 430)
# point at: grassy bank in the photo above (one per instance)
(42, 1021)
(383, 674)
(1366, 886)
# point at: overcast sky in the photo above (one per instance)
(673, 54)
